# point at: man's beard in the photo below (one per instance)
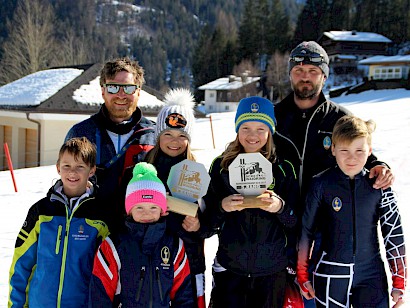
(303, 92)
(121, 113)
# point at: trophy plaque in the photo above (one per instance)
(251, 174)
(188, 181)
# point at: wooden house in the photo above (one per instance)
(224, 94)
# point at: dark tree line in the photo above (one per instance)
(185, 42)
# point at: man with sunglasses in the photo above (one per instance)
(120, 132)
(305, 121)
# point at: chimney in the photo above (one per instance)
(231, 78)
(354, 32)
(244, 76)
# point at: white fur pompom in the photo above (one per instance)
(180, 96)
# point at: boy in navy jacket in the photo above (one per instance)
(345, 207)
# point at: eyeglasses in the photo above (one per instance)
(313, 58)
(114, 88)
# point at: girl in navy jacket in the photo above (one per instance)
(148, 266)
(250, 266)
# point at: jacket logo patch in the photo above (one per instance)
(80, 236)
(327, 142)
(165, 256)
(337, 204)
(175, 120)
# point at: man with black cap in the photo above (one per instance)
(305, 121)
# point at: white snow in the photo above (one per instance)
(35, 88)
(389, 108)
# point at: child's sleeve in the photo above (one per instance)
(181, 292)
(308, 232)
(392, 232)
(288, 191)
(24, 259)
(213, 215)
(104, 284)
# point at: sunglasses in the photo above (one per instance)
(313, 58)
(114, 88)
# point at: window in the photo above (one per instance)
(226, 107)
(391, 72)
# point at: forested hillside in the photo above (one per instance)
(181, 42)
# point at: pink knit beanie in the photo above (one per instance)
(145, 187)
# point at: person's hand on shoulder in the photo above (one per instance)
(384, 177)
(230, 203)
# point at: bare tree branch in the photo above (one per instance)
(30, 46)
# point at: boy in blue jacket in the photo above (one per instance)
(54, 250)
(148, 266)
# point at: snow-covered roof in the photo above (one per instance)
(35, 88)
(347, 57)
(91, 93)
(355, 36)
(385, 59)
(225, 84)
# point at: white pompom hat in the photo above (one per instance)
(177, 113)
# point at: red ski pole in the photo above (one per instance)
(10, 164)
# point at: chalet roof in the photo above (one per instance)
(71, 90)
(228, 83)
(386, 59)
(356, 36)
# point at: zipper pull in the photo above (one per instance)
(142, 272)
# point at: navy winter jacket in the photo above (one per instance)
(148, 268)
(110, 165)
(252, 242)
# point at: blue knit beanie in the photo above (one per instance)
(255, 108)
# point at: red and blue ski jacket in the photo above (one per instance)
(147, 268)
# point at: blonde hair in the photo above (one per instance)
(235, 147)
(153, 154)
(349, 128)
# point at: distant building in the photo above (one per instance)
(224, 94)
(37, 110)
(347, 48)
(387, 67)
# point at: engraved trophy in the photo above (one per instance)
(251, 174)
(188, 181)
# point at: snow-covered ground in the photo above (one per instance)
(391, 142)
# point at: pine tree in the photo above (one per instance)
(278, 36)
(248, 35)
(311, 22)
